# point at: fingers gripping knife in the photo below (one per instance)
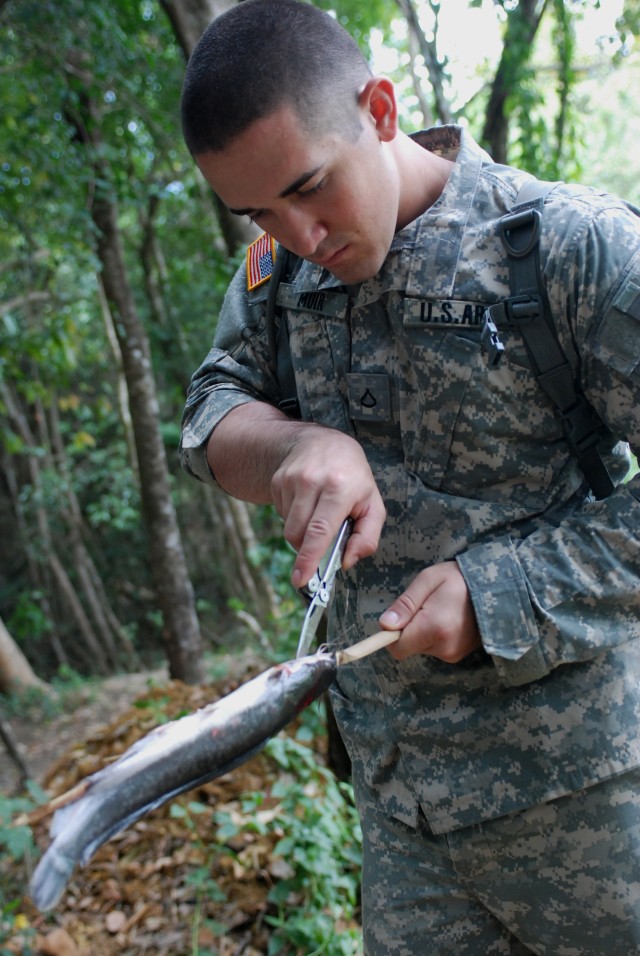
(318, 590)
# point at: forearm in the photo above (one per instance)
(246, 448)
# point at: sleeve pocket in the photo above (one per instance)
(617, 337)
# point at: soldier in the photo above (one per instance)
(495, 747)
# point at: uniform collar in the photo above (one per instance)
(436, 236)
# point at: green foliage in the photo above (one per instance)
(16, 841)
(322, 842)
(628, 27)
(543, 117)
(17, 851)
(284, 631)
(545, 82)
(28, 620)
(204, 887)
(360, 19)
(156, 706)
(319, 843)
(66, 691)
(56, 58)
(275, 558)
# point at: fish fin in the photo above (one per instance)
(50, 878)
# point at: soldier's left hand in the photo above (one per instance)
(436, 616)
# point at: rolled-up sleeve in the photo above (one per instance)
(238, 369)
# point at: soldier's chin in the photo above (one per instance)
(350, 267)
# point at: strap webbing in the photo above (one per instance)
(278, 335)
(528, 311)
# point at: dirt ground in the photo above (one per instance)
(137, 896)
(42, 741)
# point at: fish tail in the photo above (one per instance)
(50, 878)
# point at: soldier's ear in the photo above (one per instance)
(377, 99)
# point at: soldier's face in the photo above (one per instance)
(331, 200)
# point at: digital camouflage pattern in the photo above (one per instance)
(559, 879)
(473, 467)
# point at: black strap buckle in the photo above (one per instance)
(524, 225)
(291, 407)
(523, 308)
(580, 426)
(490, 342)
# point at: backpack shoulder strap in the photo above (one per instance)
(528, 311)
(278, 334)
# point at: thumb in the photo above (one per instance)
(398, 614)
(406, 605)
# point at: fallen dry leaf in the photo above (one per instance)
(57, 943)
(115, 921)
(136, 897)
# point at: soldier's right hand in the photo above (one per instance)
(315, 476)
(323, 479)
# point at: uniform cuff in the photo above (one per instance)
(197, 431)
(504, 613)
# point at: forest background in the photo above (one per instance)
(115, 256)
(114, 259)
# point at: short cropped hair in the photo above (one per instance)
(264, 54)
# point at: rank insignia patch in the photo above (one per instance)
(261, 256)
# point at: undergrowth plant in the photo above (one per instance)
(204, 887)
(17, 852)
(66, 691)
(315, 907)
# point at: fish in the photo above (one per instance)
(172, 759)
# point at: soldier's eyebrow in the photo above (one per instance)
(293, 188)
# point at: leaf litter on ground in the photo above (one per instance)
(179, 881)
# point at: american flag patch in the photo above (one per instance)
(261, 256)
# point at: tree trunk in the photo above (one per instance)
(174, 591)
(428, 49)
(236, 539)
(189, 19)
(51, 571)
(66, 589)
(90, 649)
(522, 25)
(37, 571)
(123, 399)
(426, 108)
(16, 672)
(104, 618)
(154, 270)
(13, 749)
(173, 588)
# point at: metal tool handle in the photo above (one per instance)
(336, 555)
(318, 590)
(322, 581)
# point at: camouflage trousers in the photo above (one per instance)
(559, 879)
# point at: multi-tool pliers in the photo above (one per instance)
(318, 590)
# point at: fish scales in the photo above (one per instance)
(174, 758)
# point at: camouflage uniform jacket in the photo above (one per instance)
(472, 465)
